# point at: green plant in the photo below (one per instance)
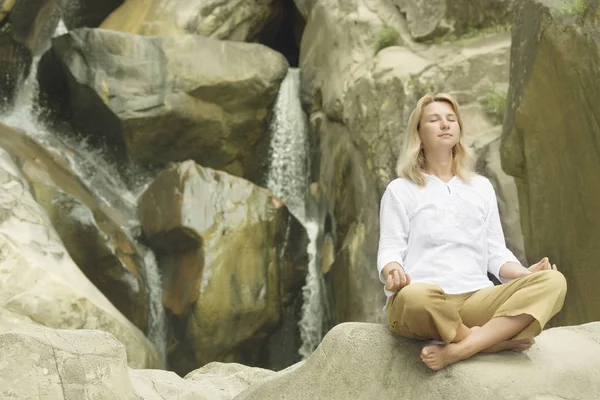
(578, 7)
(494, 105)
(386, 37)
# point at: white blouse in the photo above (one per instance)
(448, 234)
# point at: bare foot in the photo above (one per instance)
(512, 345)
(438, 356)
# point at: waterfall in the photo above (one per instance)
(288, 178)
(61, 29)
(100, 176)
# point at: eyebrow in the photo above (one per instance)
(437, 115)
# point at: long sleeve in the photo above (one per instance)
(498, 253)
(393, 231)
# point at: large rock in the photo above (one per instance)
(42, 363)
(229, 378)
(489, 165)
(48, 364)
(469, 69)
(94, 230)
(550, 143)
(40, 281)
(339, 40)
(166, 98)
(305, 7)
(32, 22)
(216, 381)
(219, 240)
(349, 187)
(27, 26)
(427, 20)
(5, 7)
(91, 13)
(239, 20)
(357, 360)
(10, 319)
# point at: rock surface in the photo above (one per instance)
(27, 26)
(94, 230)
(239, 20)
(39, 280)
(42, 363)
(166, 98)
(355, 360)
(48, 364)
(219, 240)
(305, 7)
(431, 19)
(90, 13)
(550, 143)
(366, 361)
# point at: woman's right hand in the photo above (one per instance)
(397, 278)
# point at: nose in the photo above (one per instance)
(445, 124)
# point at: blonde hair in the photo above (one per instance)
(412, 162)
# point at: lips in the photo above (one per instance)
(445, 135)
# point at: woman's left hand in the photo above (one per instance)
(542, 265)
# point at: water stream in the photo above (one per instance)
(289, 179)
(100, 177)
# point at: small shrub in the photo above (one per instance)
(494, 105)
(386, 37)
(577, 8)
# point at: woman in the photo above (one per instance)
(440, 236)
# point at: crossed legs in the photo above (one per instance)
(504, 317)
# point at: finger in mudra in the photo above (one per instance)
(396, 280)
(542, 265)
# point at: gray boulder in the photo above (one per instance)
(90, 13)
(434, 18)
(551, 139)
(220, 241)
(162, 99)
(49, 364)
(366, 361)
(27, 26)
(239, 20)
(40, 281)
(91, 218)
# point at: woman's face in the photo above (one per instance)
(439, 128)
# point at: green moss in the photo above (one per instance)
(577, 8)
(494, 105)
(386, 37)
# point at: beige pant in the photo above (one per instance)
(424, 311)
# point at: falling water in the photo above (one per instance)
(61, 29)
(101, 178)
(288, 178)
